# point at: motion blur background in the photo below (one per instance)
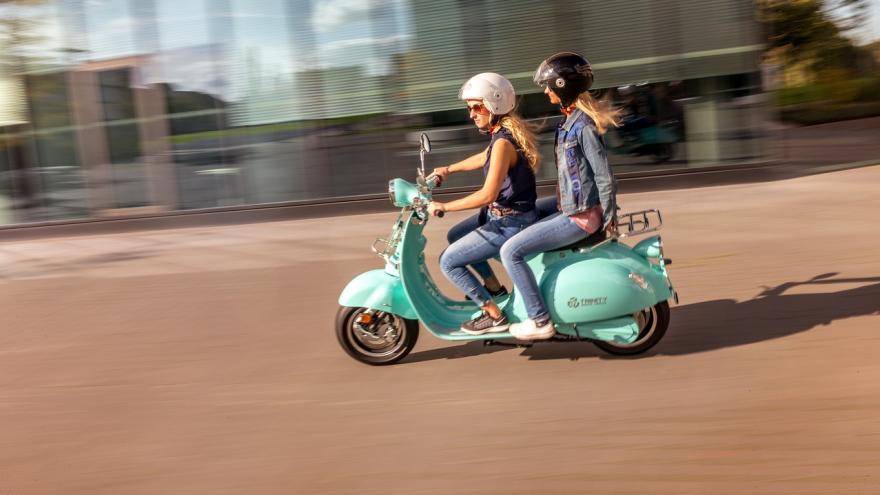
(114, 108)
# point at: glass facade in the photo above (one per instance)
(121, 107)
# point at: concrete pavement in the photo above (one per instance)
(203, 360)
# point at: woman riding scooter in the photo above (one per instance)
(586, 190)
(509, 165)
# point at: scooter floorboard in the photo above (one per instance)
(457, 334)
(622, 330)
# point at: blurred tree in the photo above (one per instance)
(874, 48)
(809, 35)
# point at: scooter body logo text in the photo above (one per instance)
(575, 302)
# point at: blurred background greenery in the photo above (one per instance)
(827, 57)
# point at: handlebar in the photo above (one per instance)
(422, 210)
(433, 181)
(425, 185)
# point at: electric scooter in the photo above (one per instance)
(598, 290)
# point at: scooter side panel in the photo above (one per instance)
(602, 284)
(378, 290)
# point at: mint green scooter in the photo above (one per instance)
(598, 290)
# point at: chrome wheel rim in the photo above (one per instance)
(646, 319)
(383, 338)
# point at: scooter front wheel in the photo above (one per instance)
(375, 337)
(652, 322)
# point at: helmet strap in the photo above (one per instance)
(493, 125)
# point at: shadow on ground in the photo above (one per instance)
(720, 323)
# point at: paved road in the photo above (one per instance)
(202, 360)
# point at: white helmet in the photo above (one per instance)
(494, 89)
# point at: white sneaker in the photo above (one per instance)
(528, 330)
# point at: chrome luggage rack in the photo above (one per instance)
(639, 222)
(385, 248)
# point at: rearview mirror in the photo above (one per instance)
(424, 147)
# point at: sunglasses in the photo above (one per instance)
(479, 108)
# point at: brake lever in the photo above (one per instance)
(422, 211)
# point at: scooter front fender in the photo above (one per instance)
(378, 290)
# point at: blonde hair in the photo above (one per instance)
(524, 135)
(602, 113)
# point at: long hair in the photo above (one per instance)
(602, 113)
(524, 135)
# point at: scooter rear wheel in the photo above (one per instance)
(387, 339)
(653, 323)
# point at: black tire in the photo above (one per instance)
(376, 349)
(654, 322)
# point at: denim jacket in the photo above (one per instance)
(585, 178)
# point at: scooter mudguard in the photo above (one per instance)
(377, 289)
(649, 248)
(652, 248)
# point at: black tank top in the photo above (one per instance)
(518, 191)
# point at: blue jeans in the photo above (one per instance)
(546, 206)
(476, 247)
(553, 232)
(464, 228)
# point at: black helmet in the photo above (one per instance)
(567, 74)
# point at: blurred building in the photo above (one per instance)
(628, 42)
(128, 107)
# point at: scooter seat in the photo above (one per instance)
(589, 241)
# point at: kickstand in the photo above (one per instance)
(489, 342)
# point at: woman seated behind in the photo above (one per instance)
(586, 188)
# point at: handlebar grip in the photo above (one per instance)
(440, 214)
